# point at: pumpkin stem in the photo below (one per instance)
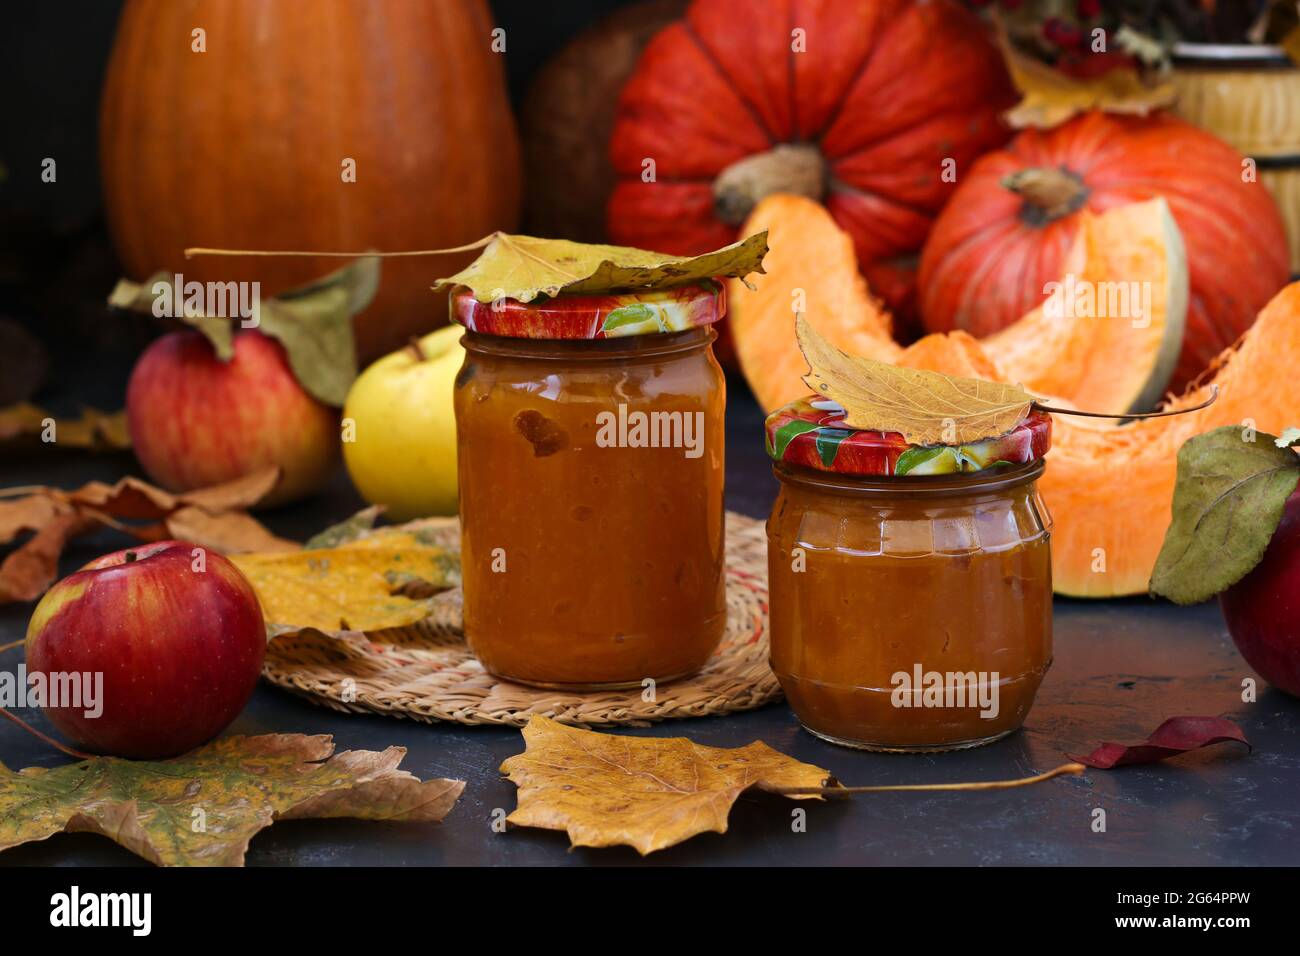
(789, 168)
(1049, 193)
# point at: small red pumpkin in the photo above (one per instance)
(856, 104)
(1011, 222)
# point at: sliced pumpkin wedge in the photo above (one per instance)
(811, 268)
(1106, 338)
(1110, 486)
(1108, 334)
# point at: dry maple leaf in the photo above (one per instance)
(645, 792)
(926, 408)
(236, 786)
(209, 517)
(524, 267)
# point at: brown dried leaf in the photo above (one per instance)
(242, 785)
(27, 572)
(231, 532)
(1049, 97)
(644, 792)
(134, 499)
(240, 493)
(29, 513)
(95, 430)
(130, 498)
(207, 516)
(926, 408)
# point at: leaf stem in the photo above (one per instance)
(1066, 768)
(468, 247)
(1214, 397)
(77, 754)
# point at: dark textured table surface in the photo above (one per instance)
(1121, 667)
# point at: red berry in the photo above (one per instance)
(1064, 35)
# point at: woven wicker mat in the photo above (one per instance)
(426, 671)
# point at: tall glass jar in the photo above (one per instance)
(591, 447)
(910, 588)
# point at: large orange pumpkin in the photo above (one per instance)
(856, 103)
(1015, 215)
(243, 145)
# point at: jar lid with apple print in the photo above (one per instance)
(810, 432)
(609, 316)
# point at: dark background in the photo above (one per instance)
(56, 263)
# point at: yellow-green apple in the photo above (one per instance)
(1263, 608)
(197, 421)
(399, 428)
(176, 633)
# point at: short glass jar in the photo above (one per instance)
(590, 439)
(910, 612)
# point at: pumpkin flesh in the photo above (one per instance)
(993, 248)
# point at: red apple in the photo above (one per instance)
(197, 421)
(1263, 608)
(176, 632)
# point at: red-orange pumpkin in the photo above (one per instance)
(243, 145)
(1011, 222)
(856, 103)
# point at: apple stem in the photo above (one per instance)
(77, 754)
(130, 556)
(415, 348)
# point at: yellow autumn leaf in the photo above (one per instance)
(376, 582)
(644, 792)
(524, 267)
(926, 408)
(1050, 97)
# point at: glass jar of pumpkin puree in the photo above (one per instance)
(590, 441)
(910, 587)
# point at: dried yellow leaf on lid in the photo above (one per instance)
(525, 267)
(926, 408)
